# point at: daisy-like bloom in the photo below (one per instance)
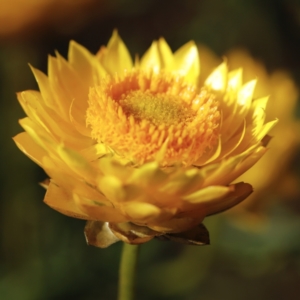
(141, 149)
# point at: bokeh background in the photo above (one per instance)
(255, 251)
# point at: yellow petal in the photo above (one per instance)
(254, 135)
(31, 102)
(94, 152)
(116, 191)
(217, 80)
(71, 182)
(165, 52)
(112, 188)
(245, 95)
(257, 114)
(44, 86)
(38, 134)
(217, 199)
(186, 62)
(243, 166)
(211, 155)
(210, 193)
(232, 142)
(266, 128)
(151, 59)
(76, 162)
(219, 172)
(84, 63)
(184, 183)
(234, 81)
(243, 104)
(52, 122)
(259, 104)
(116, 58)
(157, 57)
(97, 211)
(110, 166)
(56, 82)
(26, 144)
(62, 201)
(72, 82)
(140, 211)
(77, 119)
(148, 176)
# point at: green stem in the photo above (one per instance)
(127, 271)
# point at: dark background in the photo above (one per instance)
(43, 254)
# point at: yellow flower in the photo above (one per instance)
(140, 150)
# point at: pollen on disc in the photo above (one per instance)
(136, 113)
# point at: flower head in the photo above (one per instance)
(141, 150)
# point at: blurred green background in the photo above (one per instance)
(43, 254)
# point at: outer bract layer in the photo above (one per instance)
(141, 150)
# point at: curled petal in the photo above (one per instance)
(196, 236)
(241, 191)
(132, 234)
(177, 224)
(99, 234)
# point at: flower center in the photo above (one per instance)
(138, 113)
(157, 108)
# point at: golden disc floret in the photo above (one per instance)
(151, 110)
